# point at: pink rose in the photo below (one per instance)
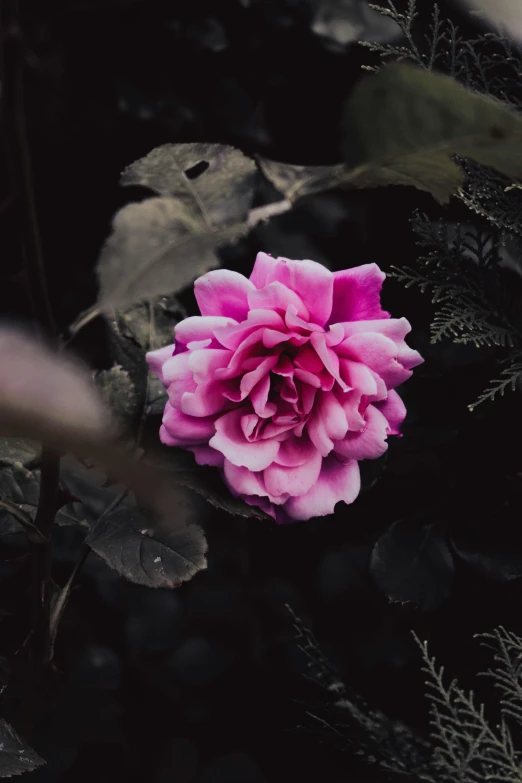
(285, 381)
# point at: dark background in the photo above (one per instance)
(205, 683)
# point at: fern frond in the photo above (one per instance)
(507, 676)
(493, 197)
(490, 64)
(466, 747)
(512, 376)
(365, 731)
(461, 272)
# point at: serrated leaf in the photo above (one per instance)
(403, 125)
(412, 563)
(219, 195)
(141, 328)
(18, 450)
(21, 487)
(162, 244)
(16, 756)
(155, 556)
(119, 392)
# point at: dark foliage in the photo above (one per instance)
(204, 683)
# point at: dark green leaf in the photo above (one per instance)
(411, 563)
(163, 555)
(403, 125)
(16, 757)
(500, 564)
(181, 468)
(88, 486)
(162, 244)
(492, 549)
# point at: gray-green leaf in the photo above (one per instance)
(403, 125)
(162, 244)
(213, 182)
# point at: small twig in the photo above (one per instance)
(64, 594)
(21, 516)
(82, 320)
(264, 213)
(63, 598)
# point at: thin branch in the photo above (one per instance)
(19, 156)
(42, 553)
(82, 320)
(64, 594)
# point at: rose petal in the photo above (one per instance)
(357, 376)
(205, 362)
(327, 423)
(295, 480)
(205, 455)
(295, 451)
(250, 379)
(394, 410)
(259, 398)
(207, 399)
(394, 328)
(357, 294)
(233, 335)
(328, 357)
(337, 481)
(230, 440)
(276, 296)
(199, 327)
(178, 378)
(379, 353)
(313, 282)
(156, 360)
(243, 481)
(186, 429)
(222, 292)
(370, 441)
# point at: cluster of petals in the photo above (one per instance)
(286, 381)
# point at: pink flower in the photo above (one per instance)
(285, 381)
